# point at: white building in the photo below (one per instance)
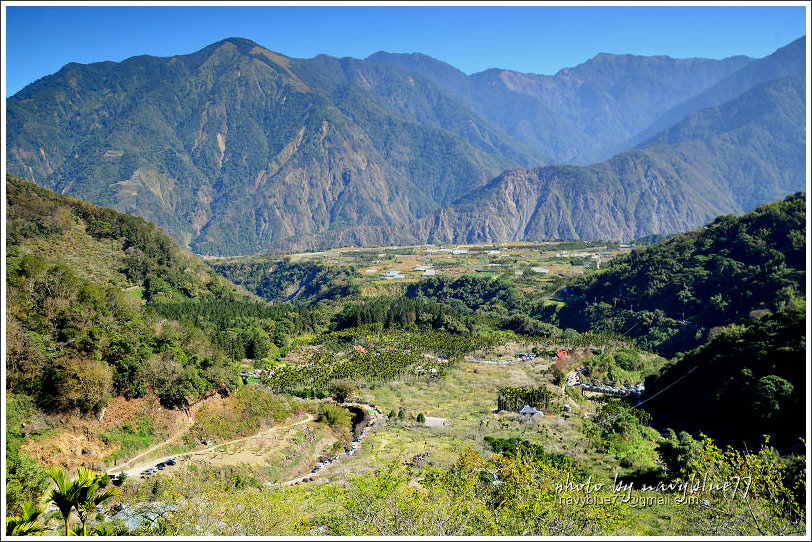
(530, 412)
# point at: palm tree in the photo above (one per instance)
(81, 493)
(65, 495)
(26, 523)
(88, 499)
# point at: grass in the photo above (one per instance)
(134, 435)
(640, 449)
(174, 449)
(136, 293)
(246, 411)
(466, 398)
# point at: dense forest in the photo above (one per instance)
(671, 294)
(747, 382)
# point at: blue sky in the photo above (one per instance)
(537, 39)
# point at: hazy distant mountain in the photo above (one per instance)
(236, 149)
(725, 159)
(786, 61)
(581, 114)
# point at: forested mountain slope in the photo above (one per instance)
(713, 276)
(748, 382)
(103, 306)
(236, 149)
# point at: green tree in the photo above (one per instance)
(25, 478)
(677, 452)
(93, 493)
(765, 502)
(26, 523)
(558, 375)
(82, 493)
(341, 390)
(770, 394)
(65, 496)
(114, 528)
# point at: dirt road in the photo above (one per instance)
(371, 422)
(175, 436)
(134, 467)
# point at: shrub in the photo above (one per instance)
(334, 415)
(558, 375)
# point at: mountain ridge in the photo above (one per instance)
(785, 61)
(667, 187)
(236, 148)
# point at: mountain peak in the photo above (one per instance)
(413, 56)
(243, 44)
(409, 60)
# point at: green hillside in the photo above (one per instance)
(709, 277)
(749, 381)
(88, 292)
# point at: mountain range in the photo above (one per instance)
(236, 149)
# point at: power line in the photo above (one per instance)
(668, 386)
(655, 395)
